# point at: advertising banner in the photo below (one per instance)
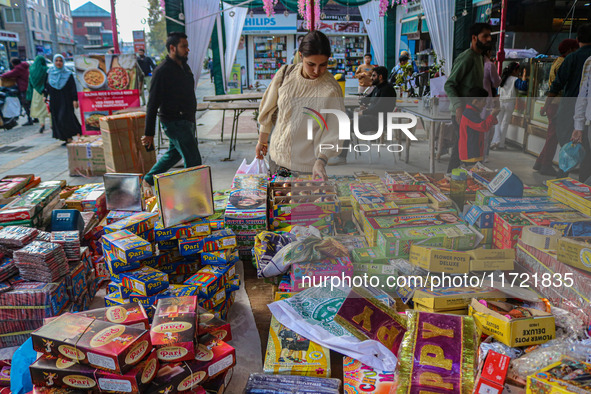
(106, 83)
(234, 85)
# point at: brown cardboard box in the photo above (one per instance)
(86, 157)
(124, 151)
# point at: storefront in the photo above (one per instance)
(269, 44)
(8, 47)
(43, 43)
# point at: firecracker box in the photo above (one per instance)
(172, 291)
(157, 260)
(575, 252)
(445, 298)
(13, 184)
(218, 240)
(572, 193)
(435, 259)
(526, 331)
(507, 228)
(397, 242)
(172, 244)
(209, 324)
(422, 308)
(220, 257)
(359, 378)
(491, 378)
(30, 204)
(182, 267)
(102, 345)
(214, 358)
(406, 198)
(115, 216)
(487, 233)
(366, 193)
(403, 182)
(145, 281)
(233, 282)
(378, 209)
(114, 299)
(76, 280)
(186, 230)
(215, 300)
(318, 271)
(174, 329)
(513, 201)
(89, 198)
(483, 216)
(368, 256)
(492, 259)
(123, 149)
(209, 282)
(560, 221)
(288, 353)
(132, 314)
(125, 248)
(437, 198)
(562, 377)
(86, 157)
(136, 224)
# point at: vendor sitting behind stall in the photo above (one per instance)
(294, 95)
(473, 128)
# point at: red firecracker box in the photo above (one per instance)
(492, 376)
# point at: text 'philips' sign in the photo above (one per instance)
(278, 24)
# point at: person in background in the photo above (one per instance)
(473, 128)
(511, 82)
(20, 72)
(37, 81)
(146, 65)
(381, 99)
(568, 81)
(467, 73)
(544, 160)
(296, 53)
(491, 82)
(210, 68)
(415, 69)
(176, 106)
(111, 51)
(363, 74)
(305, 84)
(398, 69)
(582, 128)
(63, 99)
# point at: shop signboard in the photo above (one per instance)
(139, 40)
(338, 24)
(8, 36)
(106, 83)
(234, 85)
(277, 24)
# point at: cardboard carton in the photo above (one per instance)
(435, 259)
(555, 379)
(86, 157)
(575, 252)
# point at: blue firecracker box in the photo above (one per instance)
(114, 299)
(114, 287)
(208, 282)
(182, 231)
(137, 224)
(126, 247)
(182, 267)
(168, 245)
(115, 216)
(215, 300)
(145, 281)
(219, 257)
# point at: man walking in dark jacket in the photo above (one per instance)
(172, 96)
(146, 65)
(20, 72)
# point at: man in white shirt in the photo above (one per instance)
(582, 119)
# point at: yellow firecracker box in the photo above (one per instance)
(447, 298)
(492, 265)
(560, 377)
(575, 252)
(535, 330)
(462, 311)
(435, 259)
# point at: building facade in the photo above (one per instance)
(92, 28)
(32, 21)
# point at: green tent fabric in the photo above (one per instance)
(352, 3)
(390, 38)
(462, 25)
(173, 8)
(217, 62)
(481, 13)
(410, 26)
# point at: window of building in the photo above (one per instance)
(32, 18)
(40, 20)
(93, 30)
(47, 22)
(78, 25)
(12, 15)
(95, 42)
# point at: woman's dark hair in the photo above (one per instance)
(174, 38)
(15, 61)
(508, 71)
(315, 43)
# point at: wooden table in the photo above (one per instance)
(229, 98)
(238, 109)
(436, 119)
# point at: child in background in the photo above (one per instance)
(473, 127)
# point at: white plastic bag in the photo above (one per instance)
(12, 107)
(257, 167)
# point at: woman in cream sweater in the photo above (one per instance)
(295, 95)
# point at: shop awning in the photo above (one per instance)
(410, 26)
(483, 12)
(424, 27)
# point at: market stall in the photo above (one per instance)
(366, 277)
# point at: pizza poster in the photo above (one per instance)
(106, 84)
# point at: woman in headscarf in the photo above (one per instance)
(37, 80)
(63, 99)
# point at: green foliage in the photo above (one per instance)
(157, 35)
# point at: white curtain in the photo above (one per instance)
(198, 26)
(438, 15)
(375, 28)
(399, 14)
(233, 26)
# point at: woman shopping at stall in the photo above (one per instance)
(37, 80)
(63, 99)
(510, 84)
(297, 93)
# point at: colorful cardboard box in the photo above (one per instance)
(575, 252)
(527, 331)
(209, 324)
(368, 255)
(406, 198)
(137, 223)
(93, 342)
(318, 271)
(435, 259)
(378, 209)
(507, 229)
(218, 240)
(288, 353)
(447, 298)
(397, 242)
(561, 377)
(174, 329)
(126, 247)
(491, 378)
(145, 281)
(186, 230)
(114, 299)
(132, 314)
(220, 257)
(208, 282)
(359, 378)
